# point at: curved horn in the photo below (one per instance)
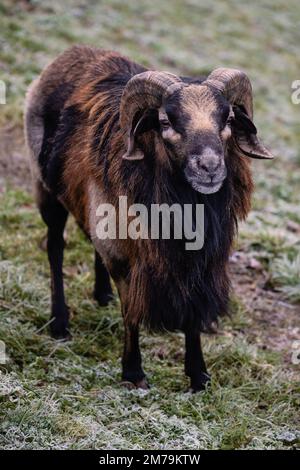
(234, 85)
(237, 89)
(146, 90)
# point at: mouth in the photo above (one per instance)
(207, 188)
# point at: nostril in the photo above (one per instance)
(215, 168)
(210, 169)
(204, 167)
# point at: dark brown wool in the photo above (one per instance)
(73, 117)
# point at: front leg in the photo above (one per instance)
(132, 361)
(195, 367)
(132, 371)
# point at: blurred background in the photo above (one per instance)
(51, 394)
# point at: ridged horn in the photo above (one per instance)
(234, 85)
(146, 90)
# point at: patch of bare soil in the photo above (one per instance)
(274, 323)
(14, 164)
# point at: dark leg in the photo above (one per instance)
(55, 217)
(195, 367)
(102, 291)
(132, 361)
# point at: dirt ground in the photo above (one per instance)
(273, 322)
(14, 168)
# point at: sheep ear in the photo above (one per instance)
(245, 136)
(145, 123)
(133, 152)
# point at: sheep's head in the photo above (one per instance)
(196, 122)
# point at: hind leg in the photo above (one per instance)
(102, 291)
(55, 217)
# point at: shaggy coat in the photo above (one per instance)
(77, 144)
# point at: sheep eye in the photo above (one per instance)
(229, 120)
(165, 124)
(228, 123)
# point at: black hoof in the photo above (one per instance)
(143, 384)
(103, 299)
(201, 383)
(62, 336)
(140, 384)
(60, 332)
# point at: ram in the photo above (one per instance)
(99, 126)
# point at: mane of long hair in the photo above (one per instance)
(172, 288)
(169, 287)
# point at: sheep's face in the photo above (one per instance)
(195, 122)
(195, 125)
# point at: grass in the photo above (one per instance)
(55, 395)
(286, 273)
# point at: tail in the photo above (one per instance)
(34, 125)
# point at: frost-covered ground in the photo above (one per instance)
(55, 395)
